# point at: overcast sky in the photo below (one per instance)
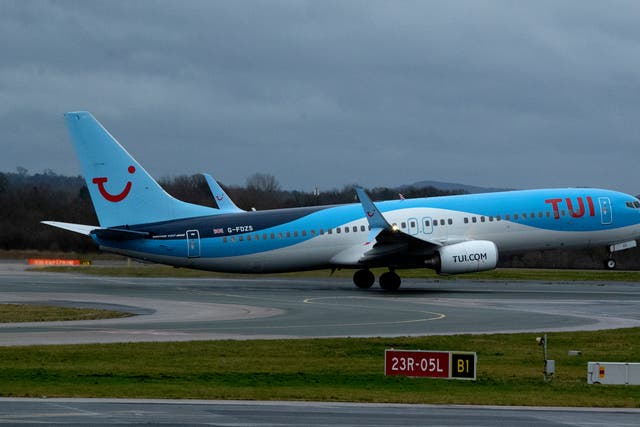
(520, 94)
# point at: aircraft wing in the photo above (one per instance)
(384, 241)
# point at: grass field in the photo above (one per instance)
(509, 370)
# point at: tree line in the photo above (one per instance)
(26, 199)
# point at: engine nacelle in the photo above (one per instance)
(466, 257)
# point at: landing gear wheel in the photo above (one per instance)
(610, 264)
(390, 281)
(363, 279)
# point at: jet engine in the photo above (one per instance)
(465, 257)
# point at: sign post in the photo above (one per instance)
(431, 364)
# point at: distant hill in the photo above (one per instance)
(451, 186)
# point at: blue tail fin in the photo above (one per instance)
(123, 193)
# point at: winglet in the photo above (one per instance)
(224, 202)
(377, 222)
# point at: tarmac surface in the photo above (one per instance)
(242, 413)
(179, 309)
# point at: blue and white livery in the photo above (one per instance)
(453, 234)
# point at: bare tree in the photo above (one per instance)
(263, 182)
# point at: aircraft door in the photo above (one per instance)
(427, 225)
(413, 226)
(606, 214)
(193, 243)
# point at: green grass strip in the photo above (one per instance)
(16, 313)
(509, 370)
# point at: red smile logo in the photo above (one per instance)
(219, 198)
(114, 197)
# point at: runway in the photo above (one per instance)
(170, 309)
(240, 413)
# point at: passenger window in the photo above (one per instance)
(280, 235)
(427, 223)
(330, 231)
(313, 232)
(295, 234)
(363, 228)
(403, 225)
(304, 233)
(474, 219)
(413, 224)
(338, 230)
(482, 219)
(288, 234)
(355, 228)
(498, 218)
(224, 239)
(322, 231)
(240, 238)
(264, 236)
(466, 220)
(346, 229)
(248, 237)
(490, 219)
(233, 239)
(507, 217)
(515, 217)
(450, 221)
(435, 222)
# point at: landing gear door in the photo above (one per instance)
(606, 215)
(193, 243)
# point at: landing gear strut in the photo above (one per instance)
(363, 279)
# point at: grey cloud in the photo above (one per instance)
(494, 93)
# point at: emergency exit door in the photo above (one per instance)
(193, 243)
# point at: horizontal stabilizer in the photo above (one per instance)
(76, 228)
(103, 233)
(119, 234)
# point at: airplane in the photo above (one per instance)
(450, 234)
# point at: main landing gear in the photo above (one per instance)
(389, 281)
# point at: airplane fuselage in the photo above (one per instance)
(311, 237)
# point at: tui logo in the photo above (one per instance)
(115, 198)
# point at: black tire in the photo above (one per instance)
(363, 279)
(610, 264)
(390, 281)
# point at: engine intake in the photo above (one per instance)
(465, 257)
